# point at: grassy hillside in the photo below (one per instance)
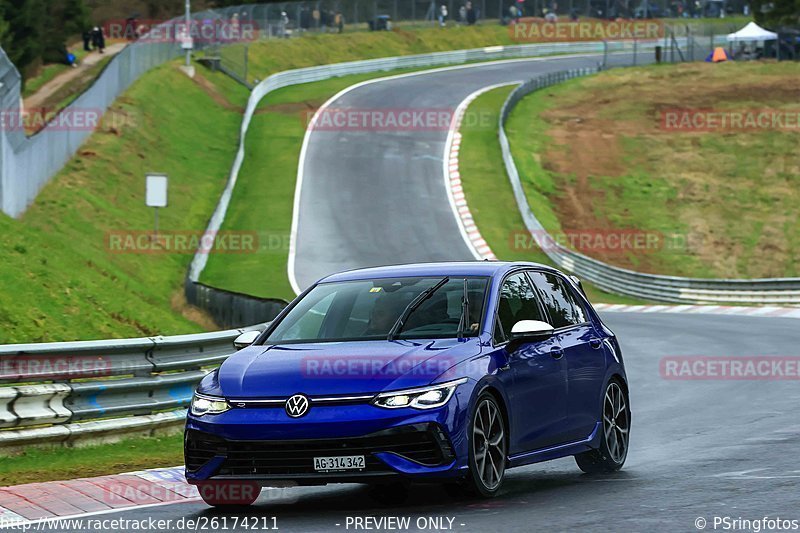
(269, 57)
(483, 176)
(59, 279)
(723, 203)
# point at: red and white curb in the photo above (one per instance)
(766, 311)
(455, 190)
(36, 502)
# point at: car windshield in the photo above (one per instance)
(371, 310)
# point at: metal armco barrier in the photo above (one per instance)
(231, 309)
(620, 280)
(102, 388)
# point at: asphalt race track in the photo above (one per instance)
(698, 449)
(378, 197)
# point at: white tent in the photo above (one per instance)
(752, 32)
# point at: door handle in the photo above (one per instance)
(595, 343)
(557, 352)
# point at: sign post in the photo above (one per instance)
(156, 194)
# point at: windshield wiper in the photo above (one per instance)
(416, 302)
(463, 323)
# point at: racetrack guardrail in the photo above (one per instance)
(64, 392)
(620, 280)
(312, 74)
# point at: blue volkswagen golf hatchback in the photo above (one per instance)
(443, 372)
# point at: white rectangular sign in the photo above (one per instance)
(156, 195)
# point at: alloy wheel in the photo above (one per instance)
(616, 424)
(489, 444)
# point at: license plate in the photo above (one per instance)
(345, 462)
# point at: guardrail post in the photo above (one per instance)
(42, 404)
(246, 61)
(7, 416)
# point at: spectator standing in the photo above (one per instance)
(443, 15)
(471, 14)
(325, 20)
(305, 18)
(131, 29)
(87, 40)
(284, 26)
(339, 21)
(99, 39)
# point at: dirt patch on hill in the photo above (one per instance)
(215, 94)
(730, 194)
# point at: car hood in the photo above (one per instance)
(340, 368)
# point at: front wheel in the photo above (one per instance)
(229, 493)
(613, 449)
(487, 448)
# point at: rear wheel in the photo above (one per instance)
(229, 493)
(616, 434)
(487, 448)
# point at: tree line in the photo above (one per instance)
(33, 32)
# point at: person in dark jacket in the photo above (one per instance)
(99, 39)
(471, 14)
(87, 40)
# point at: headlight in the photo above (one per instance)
(422, 398)
(202, 405)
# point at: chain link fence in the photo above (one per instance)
(302, 18)
(328, 15)
(28, 163)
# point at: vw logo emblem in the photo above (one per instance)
(297, 406)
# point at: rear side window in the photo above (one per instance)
(518, 301)
(561, 304)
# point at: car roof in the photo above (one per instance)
(463, 268)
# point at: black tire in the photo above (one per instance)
(487, 457)
(615, 437)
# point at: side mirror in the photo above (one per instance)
(529, 331)
(246, 339)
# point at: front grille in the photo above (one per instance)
(423, 443)
(199, 448)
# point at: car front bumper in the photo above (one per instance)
(267, 446)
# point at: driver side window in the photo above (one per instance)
(517, 302)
